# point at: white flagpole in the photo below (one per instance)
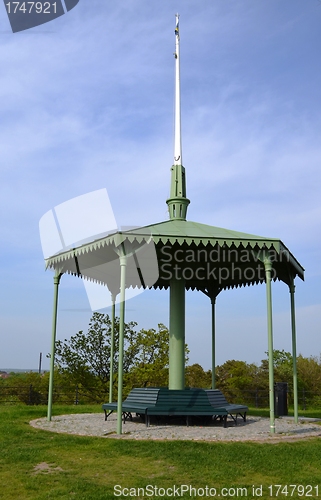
(178, 140)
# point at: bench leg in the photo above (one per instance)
(127, 416)
(225, 421)
(107, 414)
(234, 418)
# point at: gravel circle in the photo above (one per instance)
(254, 429)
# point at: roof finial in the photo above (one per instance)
(177, 203)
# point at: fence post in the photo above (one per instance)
(77, 395)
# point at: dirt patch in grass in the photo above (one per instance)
(44, 468)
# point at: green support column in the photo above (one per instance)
(112, 345)
(53, 344)
(295, 373)
(177, 335)
(177, 207)
(268, 270)
(213, 301)
(123, 262)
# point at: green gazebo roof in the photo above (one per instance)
(216, 258)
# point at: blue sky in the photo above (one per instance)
(87, 103)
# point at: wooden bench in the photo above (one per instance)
(137, 401)
(185, 403)
(216, 398)
(150, 401)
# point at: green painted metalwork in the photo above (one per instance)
(178, 203)
(112, 346)
(213, 302)
(53, 344)
(268, 269)
(294, 356)
(177, 335)
(123, 262)
(176, 232)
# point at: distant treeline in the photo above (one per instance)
(239, 381)
(83, 372)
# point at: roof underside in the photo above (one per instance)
(208, 258)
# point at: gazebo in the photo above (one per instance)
(189, 255)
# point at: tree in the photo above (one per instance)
(195, 376)
(151, 359)
(309, 379)
(281, 358)
(283, 366)
(237, 379)
(85, 357)
(29, 388)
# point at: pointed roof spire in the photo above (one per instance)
(178, 136)
(177, 203)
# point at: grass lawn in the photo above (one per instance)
(38, 465)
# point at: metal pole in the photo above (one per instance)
(123, 262)
(295, 373)
(53, 342)
(177, 335)
(178, 160)
(112, 345)
(213, 300)
(40, 360)
(268, 269)
(177, 202)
